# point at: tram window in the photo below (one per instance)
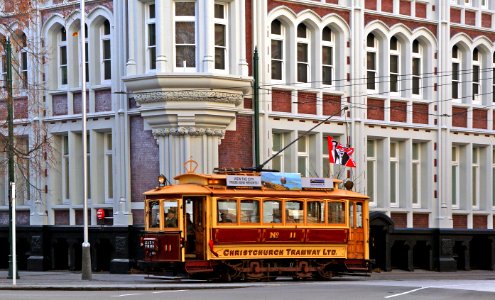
(359, 215)
(316, 212)
(227, 211)
(153, 214)
(170, 211)
(271, 211)
(336, 213)
(351, 214)
(294, 212)
(250, 211)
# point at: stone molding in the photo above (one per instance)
(189, 95)
(192, 131)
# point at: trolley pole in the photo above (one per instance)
(10, 149)
(256, 106)
(86, 250)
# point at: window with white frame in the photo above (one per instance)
(88, 166)
(484, 4)
(3, 68)
(65, 169)
(278, 143)
(303, 47)
(62, 56)
(456, 76)
(150, 36)
(22, 171)
(455, 176)
(476, 76)
(371, 61)
(328, 169)
(467, 2)
(394, 174)
(416, 174)
(23, 61)
(221, 36)
(475, 176)
(327, 56)
(493, 178)
(277, 34)
(493, 77)
(86, 53)
(108, 167)
(106, 53)
(185, 35)
(417, 67)
(371, 170)
(303, 155)
(394, 65)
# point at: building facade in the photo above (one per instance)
(408, 83)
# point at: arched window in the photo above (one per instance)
(23, 60)
(395, 65)
(105, 52)
(417, 67)
(327, 56)
(456, 76)
(277, 50)
(62, 56)
(303, 47)
(371, 61)
(477, 88)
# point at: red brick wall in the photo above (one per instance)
(400, 220)
(80, 216)
(61, 217)
(472, 33)
(248, 103)
(333, 1)
(331, 104)
(20, 108)
(59, 105)
(479, 222)
(138, 216)
(78, 103)
(460, 221)
(398, 111)
(391, 21)
(375, 109)
(370, 4)
(236, 148)
(103, 100)
(405, 7)
(470, 17)
(281, 101)
(306, 103)
(144, 159)
(455, 15)
(420, 221)
(388, 5)
(420, 113)
(480, 118)
(486, 20)
(23, 217)
(459, 117)
(420, 10)
(319, 10)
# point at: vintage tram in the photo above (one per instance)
(237, 224)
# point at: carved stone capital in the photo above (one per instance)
(192, 131)
(189, 95)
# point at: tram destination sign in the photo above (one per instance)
(241, 180)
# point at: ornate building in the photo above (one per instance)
(407, 83)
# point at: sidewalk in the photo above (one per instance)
(65, 280)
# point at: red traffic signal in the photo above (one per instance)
(100, 214)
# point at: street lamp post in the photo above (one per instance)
(86, 250)
(10, 149)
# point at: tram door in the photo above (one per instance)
(194, 220)
(356, 231)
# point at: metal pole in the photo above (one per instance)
(86, 251)
(10, 121)
(256, 108)
(14, 245)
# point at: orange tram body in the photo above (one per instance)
(206, 228)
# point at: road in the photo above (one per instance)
(345, 289)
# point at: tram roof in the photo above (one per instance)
(198, 184)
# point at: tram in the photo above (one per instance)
(247, 225)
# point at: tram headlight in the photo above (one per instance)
(161, 180)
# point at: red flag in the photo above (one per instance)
(340, 155)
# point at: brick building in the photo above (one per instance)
(408, 83)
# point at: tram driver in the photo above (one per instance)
(171, 219)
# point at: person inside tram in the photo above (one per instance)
(171, 219)
(224, 218)
(191, 237)
(276, 217)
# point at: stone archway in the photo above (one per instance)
(380, 227)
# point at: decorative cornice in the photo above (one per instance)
(189, 95)
(188, 131)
